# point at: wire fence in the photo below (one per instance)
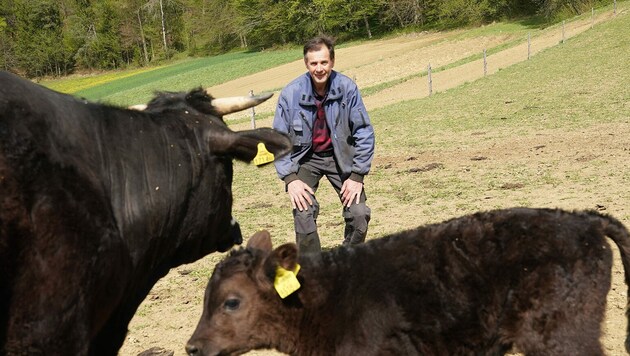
(486, 59)
(563, 37)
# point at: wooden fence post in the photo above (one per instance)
(251, 93)
(485, 63)
(562, 31)
(430, 80)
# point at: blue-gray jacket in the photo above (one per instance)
(349, 124)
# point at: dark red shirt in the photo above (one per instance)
(321, 134)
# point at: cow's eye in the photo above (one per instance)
(231, 304)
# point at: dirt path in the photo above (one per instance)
(170, 312)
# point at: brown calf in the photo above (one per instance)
(532, 279)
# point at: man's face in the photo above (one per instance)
(319, 65)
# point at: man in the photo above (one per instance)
(323, 113)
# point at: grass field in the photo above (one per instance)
(138, 86)
(134, 86)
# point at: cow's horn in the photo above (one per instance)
(224, 106)
(138, 107)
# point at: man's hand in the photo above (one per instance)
(299, 194)
(351, 191)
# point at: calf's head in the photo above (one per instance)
(242, 310)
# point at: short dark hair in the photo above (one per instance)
(316, 43)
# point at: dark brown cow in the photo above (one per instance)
(533, 279)
(98, 202)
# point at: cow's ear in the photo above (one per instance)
(261, 240)
(243, 145)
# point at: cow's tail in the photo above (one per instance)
(614, 229)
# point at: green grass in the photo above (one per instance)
(138, 86)
(77, 83)
(574, 85)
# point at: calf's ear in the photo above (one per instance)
(285, 256)
(243, 145)
(260, 240)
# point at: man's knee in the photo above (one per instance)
(306, 220)
(358, 215)
(357, 218)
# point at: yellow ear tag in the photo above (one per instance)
(286, 281)
(263, 156)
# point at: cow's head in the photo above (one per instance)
(201, 100)
(242, 309)
(216, 144)
(242, 145)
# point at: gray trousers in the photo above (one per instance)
(356, 217)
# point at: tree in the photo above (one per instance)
(168, 15)
(95, 28)
(360, 11)
(38, 32)
(551, 8)
(7, 57)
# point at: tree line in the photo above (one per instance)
(58, 37)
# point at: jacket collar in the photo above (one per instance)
(307, 97)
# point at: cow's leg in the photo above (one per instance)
(66, 284)
(47, 315)
(112, 335)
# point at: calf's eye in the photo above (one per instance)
(231, 304)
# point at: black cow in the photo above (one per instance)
(98, 202)
(533, 279)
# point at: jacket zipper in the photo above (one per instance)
(306, 121)
(341, 112)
